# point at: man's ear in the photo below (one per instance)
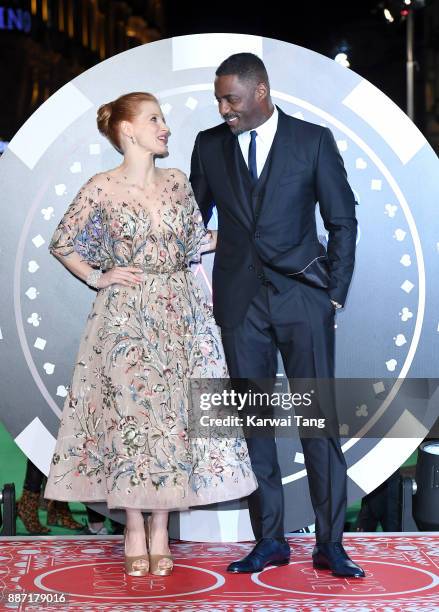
(261, 91)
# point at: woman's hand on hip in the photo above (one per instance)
(121, 275)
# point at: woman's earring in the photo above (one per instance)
(133, 140)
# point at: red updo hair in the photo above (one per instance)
(124, 108)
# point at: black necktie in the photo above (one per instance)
(252, 156)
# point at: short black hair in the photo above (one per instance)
(247, 66)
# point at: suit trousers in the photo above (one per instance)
(299, 322)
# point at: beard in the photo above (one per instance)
(235, 130)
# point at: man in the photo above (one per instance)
(274, 287)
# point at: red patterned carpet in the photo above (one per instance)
(402, 575)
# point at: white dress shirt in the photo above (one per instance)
(264, 140)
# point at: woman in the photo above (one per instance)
(130, 233)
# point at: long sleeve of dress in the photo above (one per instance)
(80, 229)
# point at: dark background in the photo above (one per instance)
(69, 36)
(376, 49)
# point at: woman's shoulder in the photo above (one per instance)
(97, 183)
(176, 174)
(97, 180)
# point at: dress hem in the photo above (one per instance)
(154, 508)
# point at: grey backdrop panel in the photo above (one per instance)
(389, 327)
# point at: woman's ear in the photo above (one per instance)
(126, 128)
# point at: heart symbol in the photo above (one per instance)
(32, 266)
(342, 145)
(61, 391)
(360, 163)
(32, 293)
(47, 213)
(75, 167)
(60, 189)
(49, 368)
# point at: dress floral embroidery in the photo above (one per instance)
(123, 436)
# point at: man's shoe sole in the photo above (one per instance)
(321, 566)
(275, 563)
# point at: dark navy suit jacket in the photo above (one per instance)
(275, 222)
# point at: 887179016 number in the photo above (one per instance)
(17, 597)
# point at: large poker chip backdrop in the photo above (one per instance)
(389, 328)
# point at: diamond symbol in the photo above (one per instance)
(376, 184)
(407, 286)
(378, 387)
(166, 108)
(299, 458)
(38, 241)
(191, 103)
(40, 344)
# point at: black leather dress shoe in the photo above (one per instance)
(334, 557)
(268, 551)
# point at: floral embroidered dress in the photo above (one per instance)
(123, 434)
